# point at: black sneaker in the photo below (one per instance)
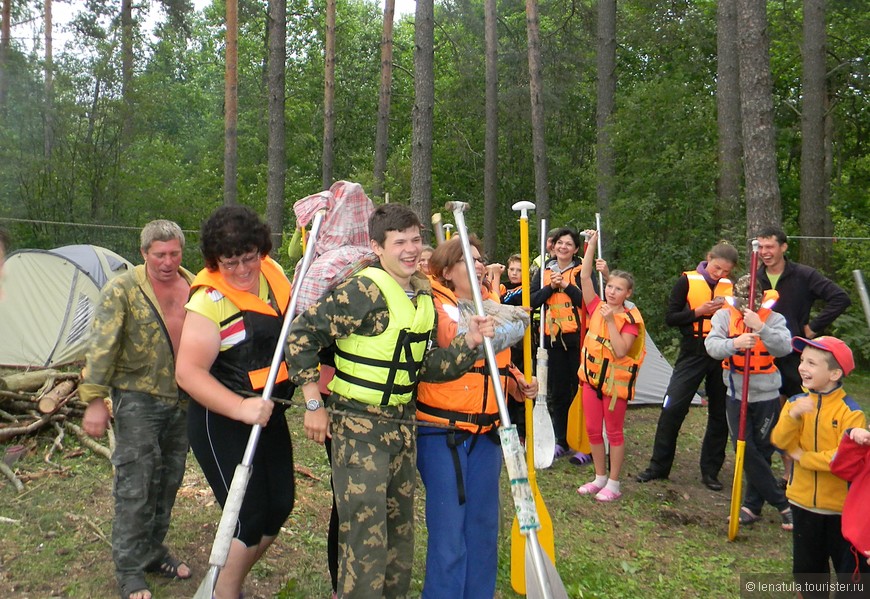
(711, 482)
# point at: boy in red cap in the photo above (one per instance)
(809, 430)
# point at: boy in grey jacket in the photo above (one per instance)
(739, 333)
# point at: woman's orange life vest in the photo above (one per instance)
(760, 362)
(248, 302)
(468, 403)
(600, 368)
(562, 316)
(700, 293)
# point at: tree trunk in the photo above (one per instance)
(763, 205)
(424, 102)
(329, 96)
(127, 70)
(606, 92)
(539, 143)
(384, 95)
(490, 169)
(728, 209)
(231, 104)
(5, 39)
(48, 124)
(815, 218)
(277, 167)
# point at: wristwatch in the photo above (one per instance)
(312, 405)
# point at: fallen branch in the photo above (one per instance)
(92, 525)
(7, 471)
(56, 444)
(88, 441)
(56, 397)
(13, 431)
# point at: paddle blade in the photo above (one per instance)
(518, 550)
(206, 587)
(534, 588)
(736, 491)
(576, 435)
(518, 543)
(545, 438)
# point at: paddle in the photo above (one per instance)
(737, 484)
(546, 582)
(534, 425)
(220, 548)
(575, 433)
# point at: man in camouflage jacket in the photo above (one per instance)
(131, 357)
(374, 445)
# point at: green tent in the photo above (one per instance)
(49, 298)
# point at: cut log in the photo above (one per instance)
(32, 380)
(56, 397)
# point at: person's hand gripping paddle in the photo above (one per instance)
(542, 580)
(737, 484)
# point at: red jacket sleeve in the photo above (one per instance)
(850, 460)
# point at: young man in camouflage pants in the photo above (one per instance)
(381, 321)
(131, 356)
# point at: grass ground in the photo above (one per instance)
(664, 539)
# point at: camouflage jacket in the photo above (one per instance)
(357, 306)
(129, 347)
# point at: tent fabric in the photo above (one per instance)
(50, 297)
(652, 380)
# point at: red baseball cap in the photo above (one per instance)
(841, 351)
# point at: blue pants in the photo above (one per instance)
(462, 551)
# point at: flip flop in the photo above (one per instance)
(580, 459)
(168, 568)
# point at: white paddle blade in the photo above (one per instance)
(534, 589)
(545, 438)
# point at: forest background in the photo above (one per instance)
(126, 123)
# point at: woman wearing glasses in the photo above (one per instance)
(233, 324)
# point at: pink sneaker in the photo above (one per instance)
(589, 489)
(605, 495)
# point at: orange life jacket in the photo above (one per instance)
(761, 362)
(468, 402)
(600, 368)
(562, 316)
(257, 366)
(700, 293)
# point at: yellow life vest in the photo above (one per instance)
(468, 403)
(600, 368)
(562, 316)
(382, 370)
(700, 293)
(761, 362)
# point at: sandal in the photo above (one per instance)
(132, 586)
(168, 567)
(748, 517)
(589, 489)
(787, 519)
(560, 452)
(580, 459)
(605, 495)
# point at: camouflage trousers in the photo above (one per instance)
(149, 457)
(374, 476)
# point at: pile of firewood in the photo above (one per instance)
(36, 401)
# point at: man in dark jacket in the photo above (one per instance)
(799, 287)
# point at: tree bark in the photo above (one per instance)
(329, 96)
(48, 123)
(277, 167)
(763, 204)
(728, 201)
(5, 40)
(231, 104)
(384, 96)
(424, 103)
(539, 142)
(490, 169)
(606, 92)
(815, 218)
(127, 70)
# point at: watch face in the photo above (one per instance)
(313, 404)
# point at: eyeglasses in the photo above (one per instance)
(231, 265)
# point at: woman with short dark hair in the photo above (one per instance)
(233, 324)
